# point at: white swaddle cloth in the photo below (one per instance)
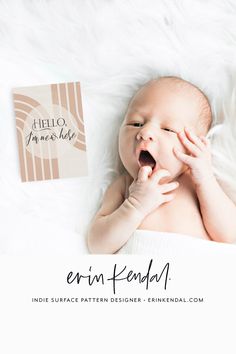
(146, 242)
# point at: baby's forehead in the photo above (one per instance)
(164, 90)
(169, 84)
(168, 88)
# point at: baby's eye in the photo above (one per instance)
(169, 130)
(138, 125)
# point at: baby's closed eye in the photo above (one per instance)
(169, 130)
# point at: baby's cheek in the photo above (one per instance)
(121, 145)
(176, 163)
(124, 155)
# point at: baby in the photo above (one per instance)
(169, 185)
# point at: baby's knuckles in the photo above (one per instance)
(146, 195)
(202, 171)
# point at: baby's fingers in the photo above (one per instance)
(168, 197)
(195, 139)
(183, 157)
(190, 145)
(160, 174)
(165, 188)
(143, 173)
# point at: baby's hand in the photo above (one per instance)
(146, 193)
(199, 161)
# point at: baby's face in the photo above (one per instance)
(149, 130)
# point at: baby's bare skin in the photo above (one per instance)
(181, 215)
(169, 185)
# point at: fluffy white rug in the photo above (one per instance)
(111, 47)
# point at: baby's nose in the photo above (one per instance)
(146, 134)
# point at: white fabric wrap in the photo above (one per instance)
(145, 242)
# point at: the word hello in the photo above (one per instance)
(40, 124)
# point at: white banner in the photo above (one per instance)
(60, 305)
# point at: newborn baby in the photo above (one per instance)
(169, 185)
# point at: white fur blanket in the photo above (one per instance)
(111, 47)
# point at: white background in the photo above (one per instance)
(118, 327)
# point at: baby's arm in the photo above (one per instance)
(114, 222)
(218, 211)
(118, 218)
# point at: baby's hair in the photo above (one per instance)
(205, 116)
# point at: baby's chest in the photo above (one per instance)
(178, 216)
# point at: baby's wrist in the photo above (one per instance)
(205, 182)
(135, 207)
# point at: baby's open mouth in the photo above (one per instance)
(146, 159)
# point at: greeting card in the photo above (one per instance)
(50, 131)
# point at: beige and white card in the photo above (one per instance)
(50, 131)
